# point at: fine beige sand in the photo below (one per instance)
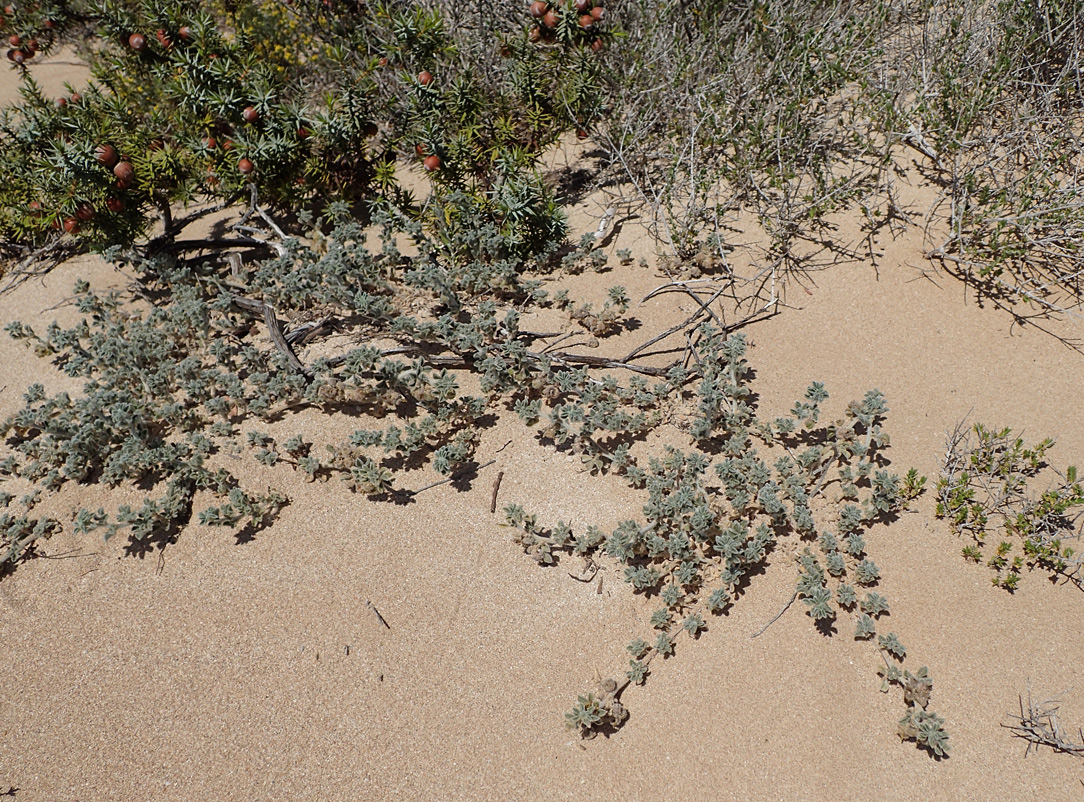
(257, 671)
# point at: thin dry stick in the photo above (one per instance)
(459, 361)
(376, 612)
(275, 329)
(776, 617)
(672, 330)
(58, 249)
(496, 487)
(602, 362)
(35, 255)
(759, 314)
(254, 208)
(590, 566)
(68, 555)
(451, 478)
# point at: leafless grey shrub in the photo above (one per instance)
(1037, 723)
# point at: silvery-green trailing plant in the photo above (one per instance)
(987, 488)
(154, 383)
(919, 724)
(168, 388)
(173, 384)
(18, 531)
(747, 488)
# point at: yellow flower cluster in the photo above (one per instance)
(277, 36)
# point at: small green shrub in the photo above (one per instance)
(1002, 109)
(986, 487)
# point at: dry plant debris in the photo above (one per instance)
(1037, 723)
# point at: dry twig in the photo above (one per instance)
(496, 487)
(775, 617)
(1038, 725)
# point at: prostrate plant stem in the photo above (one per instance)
(702, 538)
